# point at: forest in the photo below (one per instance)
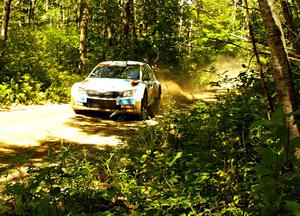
(238, 155)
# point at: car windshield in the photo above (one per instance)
(128, 72)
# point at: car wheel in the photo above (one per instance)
(78, 112)
(144, 110)
(158, 98)
(153, 109)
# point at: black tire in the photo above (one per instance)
(78, 112)
(153, 109)
(144, 110)
(159, 94)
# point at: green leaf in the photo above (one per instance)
(55, 191)
(262, 123)
(283, 134)
(268, 157)
(6, 168)
(293, 207)
(114, 114)
(20, 158)
(289, 176)
(295, 142)
(278, 116)
(297, 112)
(178, 155)
(143, 158)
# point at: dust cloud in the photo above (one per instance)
(197, 86)
(226, 65)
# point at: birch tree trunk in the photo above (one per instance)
(258, 62)
(281, 65)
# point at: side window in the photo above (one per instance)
(132, 72)
(145, 73)
(151, 74)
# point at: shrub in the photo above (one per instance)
(26, 90)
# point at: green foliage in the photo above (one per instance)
(61, 83)
(22, 91)
(39, 66)
(205, 159)
(278, 170)
(215, 31)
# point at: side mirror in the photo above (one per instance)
(135, 82)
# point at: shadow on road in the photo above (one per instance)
(15, 160)
(93, 131)
(101, 124)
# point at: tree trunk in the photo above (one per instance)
(258, 62)
(134, 33)
(293, 33)
(109, 34)
(46, 5)
(298, 2)
(281, 66)
(127, 18)
(109, 29)
(234, 11)
(83, 34)
(180, 24)
(190, 36)
(143, 26)
(31, 12)
(277, 21)
(62, 13)
(287, 15)
(6, 13)
(199, 7)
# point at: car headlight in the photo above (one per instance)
(129, 93)
(81, 90)
(77, 91)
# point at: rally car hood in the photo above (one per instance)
(107, 84)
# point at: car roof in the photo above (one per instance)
(120, 63)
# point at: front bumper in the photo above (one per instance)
(120, 105)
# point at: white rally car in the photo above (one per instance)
(118, 86)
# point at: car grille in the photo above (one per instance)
(112, 94)
(105, 104)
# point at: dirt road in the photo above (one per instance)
(31, 132)
(39, 123)
(34, 127)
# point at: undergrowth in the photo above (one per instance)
(220, 158)
(39, 66)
